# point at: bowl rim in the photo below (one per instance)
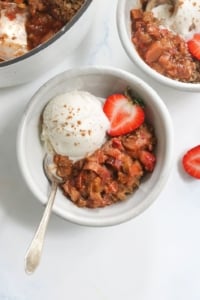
(109, 220)
(55, 37)
(135, 57)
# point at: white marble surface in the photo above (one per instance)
(155, 256)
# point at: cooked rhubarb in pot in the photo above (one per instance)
(42, 19)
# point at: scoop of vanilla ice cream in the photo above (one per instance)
(74, 124)
(184, 20)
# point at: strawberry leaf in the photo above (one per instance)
(131, 96)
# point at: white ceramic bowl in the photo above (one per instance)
(46, 56)
(100, 81)
(124, 29)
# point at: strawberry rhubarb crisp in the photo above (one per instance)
(111, 172)
(115, 169)
(167, 37)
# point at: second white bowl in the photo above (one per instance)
(124, 29)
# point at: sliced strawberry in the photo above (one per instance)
(124, 114)
(191, 162)
(194, 45)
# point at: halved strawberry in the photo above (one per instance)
(191, 162)
(194, 45)
(124, 114)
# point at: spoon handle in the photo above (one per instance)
(34, 251)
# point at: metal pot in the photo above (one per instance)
(44, 57)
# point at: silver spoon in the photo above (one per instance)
(13, 36)
(33, 255)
